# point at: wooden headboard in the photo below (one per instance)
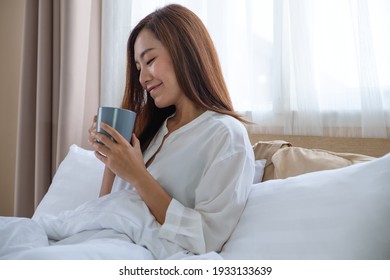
(375, 147)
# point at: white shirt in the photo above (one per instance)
(207, 167)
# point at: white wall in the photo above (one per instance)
(11, 26)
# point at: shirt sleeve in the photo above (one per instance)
(219, 201)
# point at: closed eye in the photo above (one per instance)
(149, 62)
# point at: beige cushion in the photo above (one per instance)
(265, 150)
(293, 161)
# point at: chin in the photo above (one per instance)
(161, 105)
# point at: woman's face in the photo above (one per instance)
(156, 73)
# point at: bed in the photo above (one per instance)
(312, 198)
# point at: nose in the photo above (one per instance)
(144, 76)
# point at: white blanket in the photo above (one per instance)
(116, 226)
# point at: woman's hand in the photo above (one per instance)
(92, 131)
(121, 157)
(126, 161)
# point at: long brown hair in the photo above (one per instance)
(195, 63)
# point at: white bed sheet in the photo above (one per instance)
(335, 214)
(25, 239)
(71, 222)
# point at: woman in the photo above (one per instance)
(190, 158)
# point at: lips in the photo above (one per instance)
(150, 89)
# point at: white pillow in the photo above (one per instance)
(333, 214)
(259, 170)
(77, 180)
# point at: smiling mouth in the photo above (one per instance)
(153, 88)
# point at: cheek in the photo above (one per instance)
(165, 67)
(170, 82)
(165, 71)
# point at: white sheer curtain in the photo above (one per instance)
(292, 67)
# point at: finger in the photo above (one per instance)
(135, 141)
(92, 129)
(92, 135)
(93, 126)
(91, 140)
(101, 148)
(102, 139)
(101, 157)
(113, 132)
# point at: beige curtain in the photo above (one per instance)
(59, 91)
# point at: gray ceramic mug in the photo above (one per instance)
(121, 119)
